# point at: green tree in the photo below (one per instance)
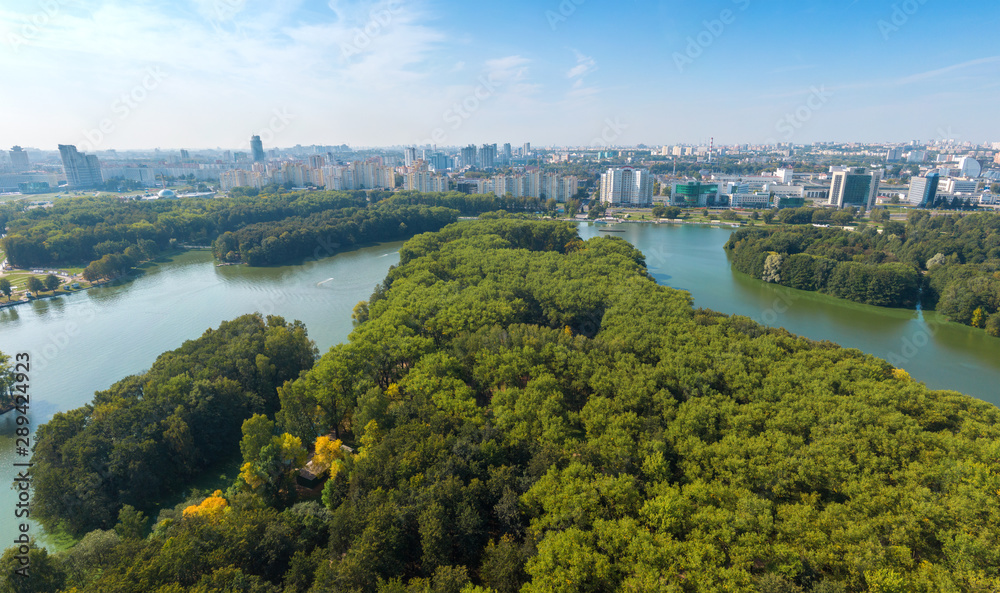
(5, 288)
(131, 523)
(52, 282)
(35, 284)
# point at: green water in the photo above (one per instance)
(85, 342)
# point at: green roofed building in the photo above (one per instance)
(695, 193)
(789, 202)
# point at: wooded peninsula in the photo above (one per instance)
(520, 410)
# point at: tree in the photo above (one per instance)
(978, 318)
(7, 382)
(131, 523)
(5, 288)
(52, 282)
(35, 284)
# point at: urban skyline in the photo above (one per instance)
(411, 73)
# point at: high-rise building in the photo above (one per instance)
(425, 181)
(19, 159)
(488, 156)
(409, 156)
(626, 186)
(257, 149)
(185, 155)
(923, 190)
(316, 161)
(468, 156)
(894, 155)
(854, 187)
(527, 149)
(82, 170)
(508, 153)
(439, 161)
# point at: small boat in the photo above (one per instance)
(324, 282)
(610, 231)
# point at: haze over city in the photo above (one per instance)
(208, 73)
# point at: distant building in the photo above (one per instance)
(185, 155)
(959, 186)
(917, 156)
(257, 149)
(468, 156)
(439, 161)
(488, 156)
(409, 156)
(317, 161)
(970, 167)
(19, 159)
(923, 190)
(855, 187)
(82, 170)
(790, 202)
(508, 154)
(894, 155)
(751, 200)
(695, 193)
(425, 181)
(627, 186)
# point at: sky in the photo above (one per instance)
(131, 74)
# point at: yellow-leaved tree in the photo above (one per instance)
(211, 508)
(328, 455)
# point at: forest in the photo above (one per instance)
(110, 235)
(949, 263)
(520, 410)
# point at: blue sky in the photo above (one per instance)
(209, 73)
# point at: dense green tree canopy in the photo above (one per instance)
(951, 263)
(150, 434)
(112, 235)
(530, 412)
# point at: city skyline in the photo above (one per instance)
(106, 74)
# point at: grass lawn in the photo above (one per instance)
(19, 282)
(219, 476)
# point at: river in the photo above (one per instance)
(85, 342)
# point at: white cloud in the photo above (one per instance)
(584, 65)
